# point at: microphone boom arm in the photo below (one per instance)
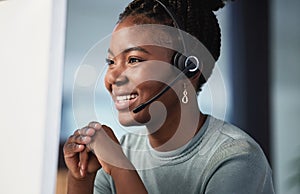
(143, 105)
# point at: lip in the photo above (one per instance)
(124, 104)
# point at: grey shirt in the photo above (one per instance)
(221, 158)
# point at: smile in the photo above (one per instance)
(123, 102)
(126, 97)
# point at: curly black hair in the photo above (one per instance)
(195, 17)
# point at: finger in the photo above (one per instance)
(77, 132)
(79, 139)
(89, 148)
(95, 163)
(95, 125)
(83, 158)
(71, 149)
(85, 131)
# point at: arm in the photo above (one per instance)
(82, 164)
(127, 181)
(79, 186)
(110, 155)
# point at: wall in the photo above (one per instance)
(31, 56)
(285, 50)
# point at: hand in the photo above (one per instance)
(107, 148)
(79, 160)
(94, 146)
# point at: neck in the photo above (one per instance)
(182, 123)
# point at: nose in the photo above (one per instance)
(116, 75)
(121, 80)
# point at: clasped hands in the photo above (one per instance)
(91, 148)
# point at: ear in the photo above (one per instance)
(195, 79)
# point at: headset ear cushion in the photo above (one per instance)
(179, 61)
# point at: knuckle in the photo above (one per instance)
(68, 148)
(92, 123)
(78, 138)
(72, 138)
(77, 132)
(81, 131)
(71, 146)
(69, 141)
(83, 139)
(95, 124)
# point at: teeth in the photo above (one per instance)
(126, 97)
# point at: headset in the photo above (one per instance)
(179, 60)
(188, 65)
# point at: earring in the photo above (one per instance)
(185, 99)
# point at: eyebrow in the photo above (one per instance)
(137, 48)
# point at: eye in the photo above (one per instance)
(109, 62)
(133, 60)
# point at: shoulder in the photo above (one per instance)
(228, 142)
(227, 130)
(235, 158)
(226, 134)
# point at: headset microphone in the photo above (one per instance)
(190, 70)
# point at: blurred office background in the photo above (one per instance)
(255, 83)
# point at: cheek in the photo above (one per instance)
(107, 83)
(151, 71)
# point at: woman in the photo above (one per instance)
(184, 150)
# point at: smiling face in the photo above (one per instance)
(136, 73)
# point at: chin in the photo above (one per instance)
(128, 119)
